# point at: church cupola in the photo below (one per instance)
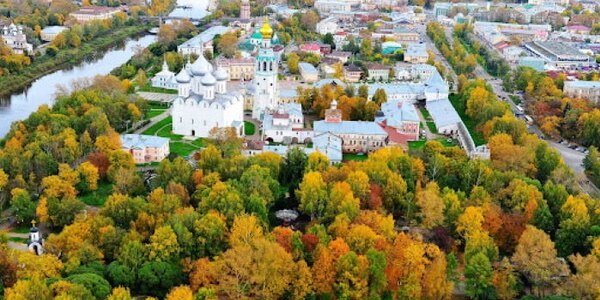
(183, 82)
(221, 76)
(267, 32)
(209, 81)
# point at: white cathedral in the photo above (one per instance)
(204, 103)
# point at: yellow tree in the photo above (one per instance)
(182, 292)
(34, 288)
(312, 193)
(431, 206)
(120, 293)
(245, 230)
(89, 176)
(535, 257)
(41, 267)
(323, 270)
(163, 245)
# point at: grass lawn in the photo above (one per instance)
(248, 128)
(515, 99)
(414, 145)
(18, 239)
(149, 88)
(470, 123)
(153, 113)
(166, 132)
(431, 127)
(152, 164)
(98, 197)
(425, 114)
(181, 148)
(199, 142)
(357, 157)
(24, 228)
(160, 124)
(157, 105)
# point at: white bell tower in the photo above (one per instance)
(265, 80)
(35, 242)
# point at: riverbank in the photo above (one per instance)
(66, 58)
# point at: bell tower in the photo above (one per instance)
(265, 79)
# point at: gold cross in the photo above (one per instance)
(32, 223)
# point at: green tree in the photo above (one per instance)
(479, 273)
(22, 206)
(312, 194)
(156, 278)
(99, 287)
(328, 39)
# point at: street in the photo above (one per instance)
(571, 157)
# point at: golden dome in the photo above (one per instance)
(266, 30)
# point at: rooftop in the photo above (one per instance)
(307, 68)
(140, 141)
(206, 36)
(349, 127)
(583, 84)
(443, 113)
(54, 29)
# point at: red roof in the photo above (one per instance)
(310, 47)
(501, 45)
(396, 137)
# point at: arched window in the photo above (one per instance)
(264, 66)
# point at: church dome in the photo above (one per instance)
(221, 74)
(183, 76)
(256, 35)
(201, 66)
(266, 29)
(208, 80)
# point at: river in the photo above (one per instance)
(42, 91)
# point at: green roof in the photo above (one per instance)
(256, 35)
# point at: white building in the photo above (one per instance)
(14, 38)
(203, 41)
(326, 6)
(204, 102)
(266, 88)
(165, 79)
(145, 148)
(286, 125)
(328, 144)
(424, 87)
(357, 136)
(328, 25)
(49, 33)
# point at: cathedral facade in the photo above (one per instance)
(203, 101)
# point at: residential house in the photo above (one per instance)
(583, 89)
(352, 73)
(308, 72)
(416, 53)
(377, 72)
(313, 48)
(91, 13)
(238, 68)
(341, 56)
(405, 36)
(328, 25)
(326, 6)
(357, 136)
(145, 148)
